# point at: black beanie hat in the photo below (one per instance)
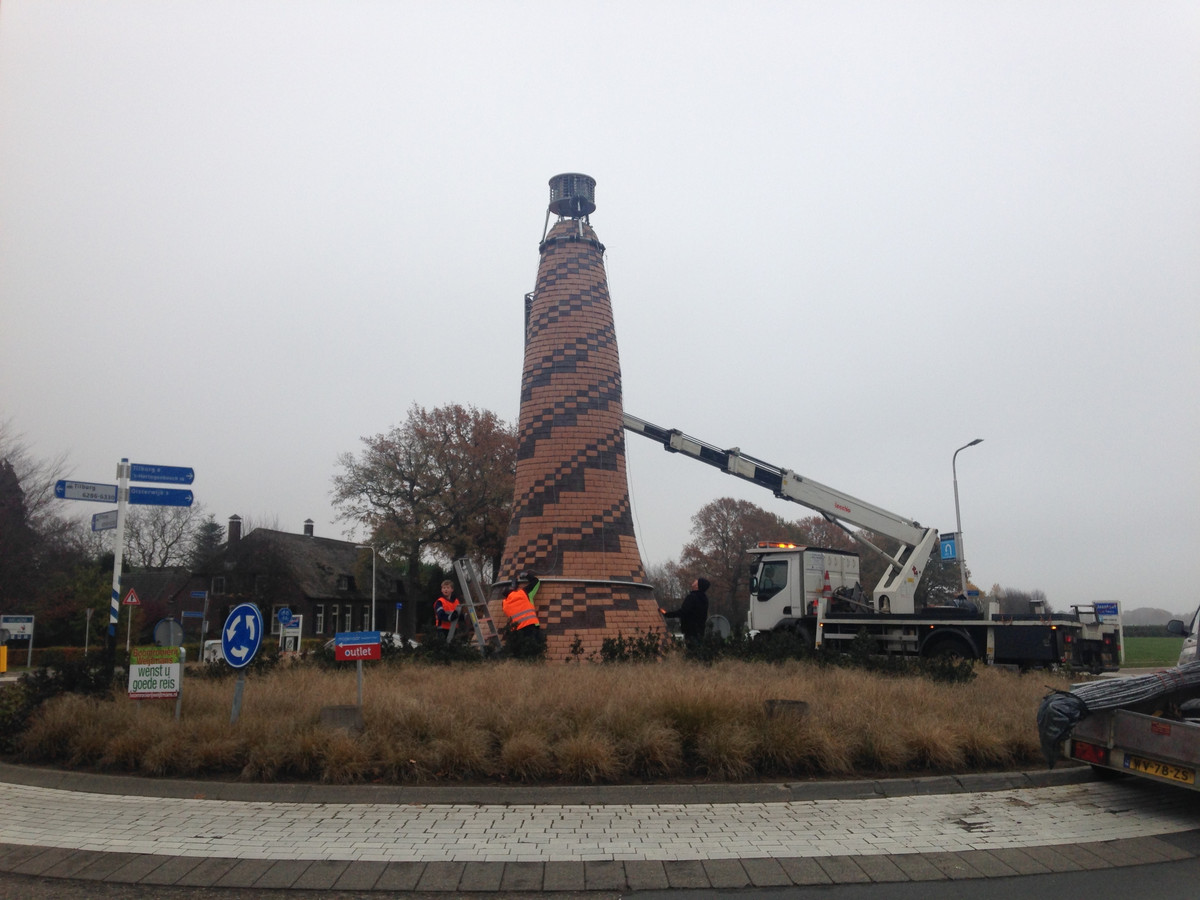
(703, 584)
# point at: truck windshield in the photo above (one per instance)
(772, 578)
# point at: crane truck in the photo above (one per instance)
(815, 592)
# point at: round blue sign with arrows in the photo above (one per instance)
(242, 635)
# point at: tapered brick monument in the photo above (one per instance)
(572, 525)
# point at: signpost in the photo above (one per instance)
(241, 636)
(19, 628)
(122, 495)
(157, 673)
(131, 600)
(289, 637)
(202, 595)
(357, 645)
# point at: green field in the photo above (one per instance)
(1141, 652)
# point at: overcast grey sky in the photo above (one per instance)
(846, 237)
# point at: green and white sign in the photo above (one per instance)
(154, 673)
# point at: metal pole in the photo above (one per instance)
(114, 607)
(182, 669)
(962, 554)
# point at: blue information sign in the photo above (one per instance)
(949, 544)
(161, 474)
(284, 616)
(242, 635)
(144, 496)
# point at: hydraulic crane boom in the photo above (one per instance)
(894, 593)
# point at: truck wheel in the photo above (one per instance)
(951, 648)
(804, 637)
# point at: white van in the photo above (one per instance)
(1187, 653)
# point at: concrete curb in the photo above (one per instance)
(514, 795)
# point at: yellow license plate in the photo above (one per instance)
(1161, 769)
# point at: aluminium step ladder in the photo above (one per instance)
(475, 600)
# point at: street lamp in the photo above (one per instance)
(962, 556)
(372, 549)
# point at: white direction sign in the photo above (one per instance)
(105, 521)
(85, 490)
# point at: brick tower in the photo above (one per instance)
(572, 525)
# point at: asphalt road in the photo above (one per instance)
(1161, 881)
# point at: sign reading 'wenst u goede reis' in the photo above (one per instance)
(352, 645)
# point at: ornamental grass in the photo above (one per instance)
(520, 723)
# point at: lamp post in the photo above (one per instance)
(962, 556)
(372, 549)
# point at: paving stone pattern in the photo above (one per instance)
(603, 846)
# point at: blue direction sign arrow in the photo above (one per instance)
(242, 634)
(85, 490)
(161, 474)
(144, 496)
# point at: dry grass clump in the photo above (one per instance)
(514, 722)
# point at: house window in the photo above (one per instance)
(275, 626)
(319, 619)
(333, 618)
(218, 584)
(349, 618)
(366, 618)
(346, 583)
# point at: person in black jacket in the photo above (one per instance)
(693, 612)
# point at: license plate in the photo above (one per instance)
(1161, 769)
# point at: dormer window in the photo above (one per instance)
(345, 582)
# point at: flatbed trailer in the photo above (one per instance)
(1136, 743)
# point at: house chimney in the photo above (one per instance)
(235, 529)
(308, 527)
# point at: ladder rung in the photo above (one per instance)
(476, 601)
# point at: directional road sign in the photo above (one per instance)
(351, 645)
(105, 521)
(242, 635)
(949, 546)
(85, 490)
(161, 474)
(144, 496)
(284, 616)
(192, 614)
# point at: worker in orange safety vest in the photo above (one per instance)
(445, 608)
(523, 636)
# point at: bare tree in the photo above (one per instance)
(664, 577)
(160, 536)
